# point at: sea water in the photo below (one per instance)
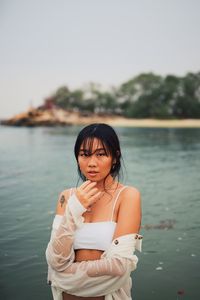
(36, 164)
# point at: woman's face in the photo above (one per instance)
(95, 164)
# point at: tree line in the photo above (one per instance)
(144, 96)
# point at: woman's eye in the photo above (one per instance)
(84, 154)
(101, 154)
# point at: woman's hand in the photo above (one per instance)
(87, 193)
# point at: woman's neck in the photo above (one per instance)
(107, 184)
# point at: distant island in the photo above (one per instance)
(54, 116)
(143, 100)
(59, 117)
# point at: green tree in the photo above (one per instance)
(136, 94)
(144, 96)
(188, 99)
(62, 97)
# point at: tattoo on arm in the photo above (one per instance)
(62, 200)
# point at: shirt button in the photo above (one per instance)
(116, 242)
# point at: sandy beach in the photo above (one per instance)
(121, 121)
(77, 119)
(186, 123)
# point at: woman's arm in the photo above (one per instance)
(60, 252)
(129, 213)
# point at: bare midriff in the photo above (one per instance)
(85, 254)
(81, 255)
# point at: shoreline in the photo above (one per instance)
(123, 122)
(154, 123)
(60, 117)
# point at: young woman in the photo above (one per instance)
(96, 228)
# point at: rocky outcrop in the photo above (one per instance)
(38, 117)
(52, 117)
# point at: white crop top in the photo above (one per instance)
(96, 235)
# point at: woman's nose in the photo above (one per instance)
(92, 161)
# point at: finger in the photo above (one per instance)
(92, 192)
(89, 186)
(94, 198)
(85, 187)
(84, 184)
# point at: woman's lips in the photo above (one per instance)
(92, 173)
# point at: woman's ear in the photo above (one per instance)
(118, 153)
(114, 161)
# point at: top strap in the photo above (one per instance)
(71, 192)
(116, 201)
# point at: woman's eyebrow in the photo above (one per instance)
(98, 149)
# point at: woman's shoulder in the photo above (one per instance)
(129, 189)
(66, 192)
(130, 193)
(129, 211)
(62, 200)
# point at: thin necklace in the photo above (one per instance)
(89, 209)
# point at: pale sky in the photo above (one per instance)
(48, 43)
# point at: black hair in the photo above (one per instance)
(109, 139)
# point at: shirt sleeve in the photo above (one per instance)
(110, 273)
(111, 263)
(60, 253)
(115, 266)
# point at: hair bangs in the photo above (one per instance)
(88, 143)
